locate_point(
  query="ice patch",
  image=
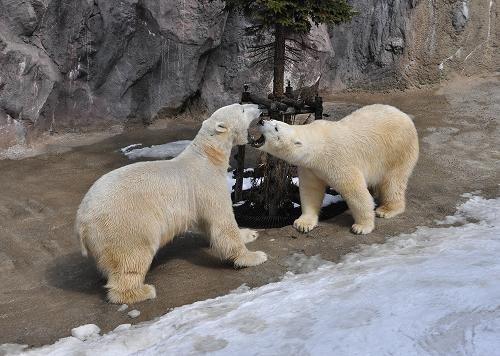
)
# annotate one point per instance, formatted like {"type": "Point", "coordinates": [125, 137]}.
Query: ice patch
{"type": "Point", "coordinates": [451, 220]}
{"type": "Point", "coordinates": [11, 349]}
{"type": "Point", "coordinates": [474, 209]}
{"type": "Point", "coordinates": [167, 150]}
{"type": "Point", "coordinates": [134, 313]}
{"type": "Point", "coordinates": [85, 332]}
{"type": "Point", "coordinates": [122, 307]}
{"type": "Point", "coordinates": [122, 327]}
{"type": "Point", "coordinates": [299, 263]}
{"type": "Point", "coordinates": [434, 291]}
{"type": "Point", "coordinates": [130, 147]}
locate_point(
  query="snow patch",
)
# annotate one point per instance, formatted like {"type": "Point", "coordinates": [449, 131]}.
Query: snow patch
{"type": "Point", "coordinates": [122, 327]}
{"type": "Point", "coordinates": [167, 150]}
{"type": "Point", "coordinates": [122, 307]}
{"type": "Point", "coordinates": [329, 199]}
{"type": "Point", "coordinates": [85, 332]}
{"type": "Point", "coordinates": [134, 313]}
{"type": "Point", "coordinates": [240, 203]}
{"type": "Point", "coordinates": [11, 349]}
{"type": "Point", "coordinates": [299, 263]}
{"type": "Point", "coordinates": [247, 181]}
{"type": "Point", "coordinates": [130, 147]}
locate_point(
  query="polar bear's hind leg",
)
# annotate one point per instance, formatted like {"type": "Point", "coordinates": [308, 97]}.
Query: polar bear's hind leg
{"type": "Point", "coordinates": [137, 294]}
{"type": "Point", "coordinates": [392, 194]}
{"type": "Point", "coordinates": [126, 277]}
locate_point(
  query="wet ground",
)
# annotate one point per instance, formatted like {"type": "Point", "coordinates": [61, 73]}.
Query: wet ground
{"type": "Point", "coordinates": [47, 288]}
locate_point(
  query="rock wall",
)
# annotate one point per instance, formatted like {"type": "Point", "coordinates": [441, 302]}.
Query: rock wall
{"type": "Point", "coordinates": [90, 64]}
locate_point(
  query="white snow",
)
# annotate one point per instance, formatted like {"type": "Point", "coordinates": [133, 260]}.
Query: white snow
{"type": "Point", "coordinates": [130, 147]}
{"type": "Point", "coordinates": [239, 203]}
{"type": "Point", "coordinates": [122, 307]}
{"type": "Point", "coordinates": [247, 182]}
{"type": "Point", "coordinates": [122, 327]}
{"type": "Point", "coordinates": [134, 313]}
{"type": "Point", "coordinates": [12, 349]}
{"type": "Point", "coordinates": [434, 291]}
{"type": "Point", "coordinates": [167, 150]}
{"type": "Point", "coordinates": [85, 332]}
{"type": "Point", "coordinates": [300, 263]}
{"type": "Point", "coordinates": [329, 199]}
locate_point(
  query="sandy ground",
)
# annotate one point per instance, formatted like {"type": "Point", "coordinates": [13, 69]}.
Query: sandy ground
{"type": "Point", "coordinates": [47, 288]}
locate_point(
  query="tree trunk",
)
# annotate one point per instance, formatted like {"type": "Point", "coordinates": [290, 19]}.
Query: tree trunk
{"type": "Point", "coordinates": [276, 172]}
{"type": "Point", "coordinates": [279, 61]}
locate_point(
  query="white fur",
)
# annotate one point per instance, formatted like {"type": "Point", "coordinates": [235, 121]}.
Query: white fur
{"type": "Point", "coordinates": [129, 213]}
{"type": "Point", "coordinates": [374, 147]}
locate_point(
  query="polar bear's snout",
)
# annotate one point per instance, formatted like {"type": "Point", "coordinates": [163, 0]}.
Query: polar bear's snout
{"type": "Point", "coordinates": [266, 130]}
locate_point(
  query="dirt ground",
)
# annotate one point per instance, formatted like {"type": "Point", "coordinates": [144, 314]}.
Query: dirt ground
{"type": "Point", "coordinates": [47, 288]}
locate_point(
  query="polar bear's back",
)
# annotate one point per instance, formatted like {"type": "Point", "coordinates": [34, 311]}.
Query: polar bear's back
{"type": "Point", "coordinates": [143, 178]}
{"type": "Point", "coordinates": [372, 117]}
{"type": "Point", "coordinates": [374, 139]}
{"type": "Point", "coordinates": [382, 134]}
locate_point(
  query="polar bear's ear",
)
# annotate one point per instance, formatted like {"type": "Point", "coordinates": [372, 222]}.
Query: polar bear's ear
{"type": "Point", "coordinates": [220, 127]}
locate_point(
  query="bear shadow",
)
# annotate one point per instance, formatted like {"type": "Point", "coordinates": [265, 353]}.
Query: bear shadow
{"type": "Point", "coordinates": [73, 272]}
{"type": "Point", "coordinates": [191, 247]}
{"type": "Point", "coordinates": [344, 220]}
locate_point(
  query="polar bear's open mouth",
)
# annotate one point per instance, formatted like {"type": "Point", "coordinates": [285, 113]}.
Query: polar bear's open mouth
{"type": "Point", "coordinates": [255, 137]}
{"type": "Point", "coordinates": [259, 142]}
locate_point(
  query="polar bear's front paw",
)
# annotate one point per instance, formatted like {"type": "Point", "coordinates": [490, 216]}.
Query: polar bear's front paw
{"type": "Point", "coordinates": [362, 229]}
{"type": "Point", "coordinates": [248, 235]}
{"type": "Point", "coordinates": [250, 259]}
{"type": "Point", "coordinates": [305, 223]}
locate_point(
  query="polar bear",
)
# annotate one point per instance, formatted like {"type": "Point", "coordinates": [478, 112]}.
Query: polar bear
{"type": "Point", "coordinates": [373, 147]}
{"type": "Point", "coordinates": [129, 213]}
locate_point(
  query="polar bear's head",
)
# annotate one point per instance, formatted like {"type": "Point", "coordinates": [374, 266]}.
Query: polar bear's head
{"type": "Point", "coordinates": [230, 123]}
{"type": "Point", "coordinates": [280, 140]}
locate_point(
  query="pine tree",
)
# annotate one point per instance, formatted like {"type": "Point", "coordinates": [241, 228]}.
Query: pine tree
{"type": "Point", "coordinates": [288, 21]}
{"type": "Point", "coordinates": [285, 19]}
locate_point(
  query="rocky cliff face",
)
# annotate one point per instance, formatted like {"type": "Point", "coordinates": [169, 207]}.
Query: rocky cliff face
{"type": "Point", "coordinates": [88, 64]}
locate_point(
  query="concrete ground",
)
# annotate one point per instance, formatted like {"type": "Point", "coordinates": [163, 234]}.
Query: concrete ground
{"type": "Point", "coordinates": [47, 288]}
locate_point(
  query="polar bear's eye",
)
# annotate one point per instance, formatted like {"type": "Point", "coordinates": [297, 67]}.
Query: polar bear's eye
{"type": "Point", "coordinates": [276, 128]}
